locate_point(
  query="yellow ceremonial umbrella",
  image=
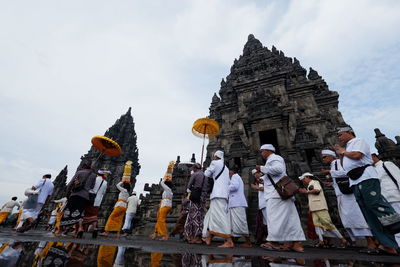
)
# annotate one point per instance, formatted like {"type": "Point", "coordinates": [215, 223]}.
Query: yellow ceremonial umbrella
{"type": "Point", "coordinates": [106, 146]}
{"type": "Point", "coordinates": [205, 128]}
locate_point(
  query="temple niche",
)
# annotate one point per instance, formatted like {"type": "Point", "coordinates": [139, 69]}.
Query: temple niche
{"type": "Point", "coordinates": [270, 98]}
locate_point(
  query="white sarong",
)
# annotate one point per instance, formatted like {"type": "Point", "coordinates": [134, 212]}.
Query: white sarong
{"type": "Point", "coordinates": [352, 218]}
{"type": "Point", "coordinates": [217, 221]}
{"type": "Point", "coordinates": [239, 221]}
{"type": "Point", "coordinates": [283, 221]}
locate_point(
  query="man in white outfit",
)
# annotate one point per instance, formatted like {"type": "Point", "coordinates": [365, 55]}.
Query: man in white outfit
{"type": "Point", "coordinates": [350, 214]}
{"type": "Point", "coordinates": [133, 202]}
{"type": "Point", "coordinates": [217, 220]}
{"type": "Point", "coordinates": [283, 219]}
{"type": "Point", "coordinates": [389, 175]}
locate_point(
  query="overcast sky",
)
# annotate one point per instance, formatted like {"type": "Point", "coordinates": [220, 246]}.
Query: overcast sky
{"type": "Point", "coordinates": [70, 69]}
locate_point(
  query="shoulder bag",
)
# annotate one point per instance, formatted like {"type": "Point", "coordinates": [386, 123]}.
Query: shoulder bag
{"type": "Point", "coordinates": [356, 173]}
{"type": "Point", "coordinates": [92, 196]}
{"type": "Point", "coordinates": [285, 187]}
{"type": "Point", "coordinates": [343, 183]}
{"type": "Point", "coordinates": [32, 200]}
{"type": "Point", "coordinates": [195, 194]}
{"type": "Point", "coordinates": [210, 184]}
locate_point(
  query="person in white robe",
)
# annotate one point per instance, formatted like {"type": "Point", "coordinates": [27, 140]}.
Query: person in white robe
{"type": "Point", "coordinates": [389, 176]}
{"type": "Point", "coordinates": [217, 221]}
{"type": "Point", "coordinates": [237, 207]}
{"type": "Point", "coordinates": [261, 219]}
{"type": "Point", "coordinates": [350, 213]}
{"type": "Point", "coordinates": [283, 219]}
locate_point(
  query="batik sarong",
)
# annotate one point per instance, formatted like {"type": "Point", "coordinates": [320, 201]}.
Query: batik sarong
{"type": "Point", "coordinates": [195, 219]}
{"type": "Point", "coordinates": [73, 212]}
{"type": "Point", "coordinates": [377, 210]}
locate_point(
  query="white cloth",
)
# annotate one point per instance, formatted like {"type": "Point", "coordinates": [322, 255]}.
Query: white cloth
{"type": "Point", "coordinates": [236, 192]}
{"type": "Point", "coordinates": [53, 217]}
{"type": "Point", "coordinates": [128, 221]}
{"type": "Point", "coordinates": [120, 259]}
{"type": "Point", "coordinates": [388, 188]}
{"type": "Point", "coordinates": [46, 189]}
{"type": "Point", "coordinates": [123, 195]}
{"type": "Point", "coordinates": [264, 213]}
{"type": "Point", "coordinates": [283, 221]}
{"type": "Point", "coordinates": [349, 211]}
{"type": "Point", "coordinates": [239, 221]}
{"type": "Point", "coordinates": [132, 204]}
{"type": "Point", "coordinates": [262, 202]}
{"type": "Point", "coordinates": [396, 206]}
{"type": "Point", "coordinates": [167, 195]}
{"type": "Point", "coordinates": [63, 201]}
{"type": "Point", "coordinates": [99, 190]}
{"type": "Point", "coordinates": [217, 219]}
{"type": "Point", "coordinates": [32, 213]}
{"type": "Point", "coordinates": [359, 145]}
{"type": "Point", "coordinates": [9, 206]}
{"type": "Point", "coordinates": [221, 185]}
{"type": "Point", "coordinates": [276, 168]}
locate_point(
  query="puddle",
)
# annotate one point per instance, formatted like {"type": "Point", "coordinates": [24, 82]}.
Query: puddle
{"type": "Point", "coordinates": [57, 254]}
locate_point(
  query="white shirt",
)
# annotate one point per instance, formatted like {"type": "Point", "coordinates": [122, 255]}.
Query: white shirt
{"type": "Point", "coordinates": [337, 173]}
{"type": "Point", "coordinates": [276, 168]}
{"type": "Point", "coordinates": [221, 185]}
{"type": "Point", "coordinates": [359, 145]}
{"type": "Point", "coordinates": [46, 189]}
{"type": "Point", "coordinates": [123, 195]}
{"type": "Point", "coordinates": [133, 202]}
{"type": "Point", "coordinates": [262, 202]}
{"type": "Point", "coordinates": [236, 192]}
{"type": "Point", "coordinates": [99, 190]}
{"type": "Point", "coordinates": [9, 206]}
{"type": "Point", "coordinates": [388, 187]}
{"type": "Point", "coordinates": [167, 195]}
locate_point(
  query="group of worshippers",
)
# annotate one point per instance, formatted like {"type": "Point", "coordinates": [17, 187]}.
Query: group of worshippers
{"type": "Point", "coordinates": [366, 188]}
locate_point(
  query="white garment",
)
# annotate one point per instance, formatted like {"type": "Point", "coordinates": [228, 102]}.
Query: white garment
{"type": "Point", "coordinates": [32, 213]}
{"type": "Point", "coordinates": [221, 185]}
{"type": "Point", "coordinates": [217, 219]}
{"type": "Point", "coordinates": [128, 221]}
{"type": "Point", "coordinates": [132, 204]}
{"type": "Point", "coordinates": [396, 206]}
{"type": "Point", "coordinates": [120, 259]}
{"type": "Point", "coordinates": [9, 206]}
{"type": "Point", "coordinates": [283, 221]}
{"type": "Point", "coordinates": [167, 195]}
{"type": "Point", "coordinates": [350, 213]}
{"type": "Point", "coordinates": [236, 192]}
{"type": "Point", "coordinates": [99, 190]}
{"type": "Point", "coordinates": [359, 145]}
{"type": "Point", "coordinates": [388, 188]}
{"type": "Point", "coordinates": [46, 189]}
{"type": "Point", "coordinates": [53, 217]}
{"type": "Point", "coordinates": [63, 201]}
{"type": "Point", "coordinates": [123, 195]}
{"type": "Point", "coordinates": [276, 168]}
{"type": "Point", "coordinates": [239, 221]}
{"type": "Point", "coordinates": [262, 202]}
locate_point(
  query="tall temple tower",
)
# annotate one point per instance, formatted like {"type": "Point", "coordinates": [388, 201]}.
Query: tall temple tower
{"type": "Point", "coordinates": [269, 98]}
{"type": "Point", "coordinates": [123, 132]}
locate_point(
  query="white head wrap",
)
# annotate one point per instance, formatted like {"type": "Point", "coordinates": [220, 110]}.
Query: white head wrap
{"type": "Point", "coordinates": [253, 171]}
{"type": "Point", "coordinates": [328, 152]}
{"type": "Point", "coordinates": [103, 172]}
{"type": "Point", "coordinates": [345, 129]}
{"type": "Point", "coordinates": [304, 175]}
{"type": "Point", "coordinates": [267, 147]}
{"type": "Point", "coordinates": [219, 154]}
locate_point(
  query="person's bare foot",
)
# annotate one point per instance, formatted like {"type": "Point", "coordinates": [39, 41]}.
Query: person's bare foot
{"type": "Point", "coordinates": [165, 238]}
{"type": "Point", "coordinates": [197, 240]}
{"type": "Point", "coordinates": [153, 236]}
{"type": "Point", "coordinates": [227, 244]}
{"type": "Point", "coordinates": [104, 233]}
{"type": "Point", "coordinates": [207, 240]}
{"type": "Point", "coordinates": [296, 246]}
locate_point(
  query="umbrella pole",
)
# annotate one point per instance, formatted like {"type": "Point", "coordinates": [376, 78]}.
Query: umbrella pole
{"type": "Point", "coordinates": [101, 154]}
{"type": "Point", "coordinates": [202, 149]}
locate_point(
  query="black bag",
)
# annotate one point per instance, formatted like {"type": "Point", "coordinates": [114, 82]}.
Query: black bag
{"type": "Point", "coordinates": [393, 228]}
{"type": "Point", "coordinates": [343, 183]}
{"type": "Point", "coordinates": [285, 187]}
{"type": "Point", "coordinates": [195, 193]}
{"type": "Point", "coordinates": [210, 184]}
{"type": "Point", "coordinates": [356, 173]}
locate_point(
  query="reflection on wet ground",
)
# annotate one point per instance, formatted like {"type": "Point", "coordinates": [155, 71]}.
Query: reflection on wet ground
{"type": "Point", "coordinates": [53, 253]}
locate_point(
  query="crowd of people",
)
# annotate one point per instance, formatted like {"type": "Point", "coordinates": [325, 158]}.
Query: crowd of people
{"type": "Point", "coordinates": [366, 188]}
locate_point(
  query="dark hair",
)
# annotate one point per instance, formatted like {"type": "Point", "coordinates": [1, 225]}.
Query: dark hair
{"type": "Point", "coordinates": [235, 169]}
{"type": "Point", "coordinates": [376, 155]}
{"type": "Point", "coordinates": [14, 198]}
{"type": "Point", "coordinates": [47, 176]}
{"type": "Point", "coordinates": [169, 184]}
{"type": "Point", "coordinates": [127, 186]}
